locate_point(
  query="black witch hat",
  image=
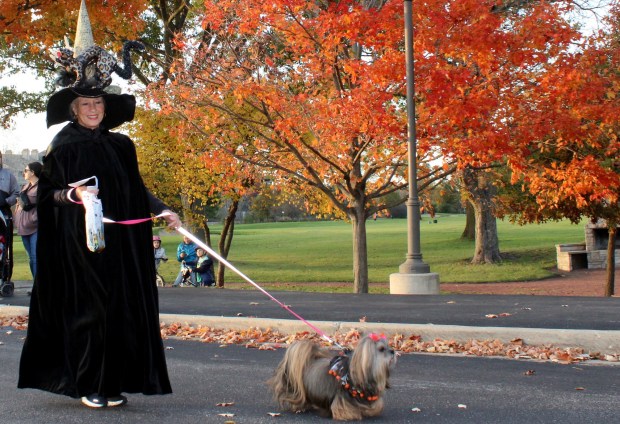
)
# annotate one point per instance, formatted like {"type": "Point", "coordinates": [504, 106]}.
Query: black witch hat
{"type": "Point", "coordinates": [119, 108]}
{"type": "Point", "coordinates": [88, 81]}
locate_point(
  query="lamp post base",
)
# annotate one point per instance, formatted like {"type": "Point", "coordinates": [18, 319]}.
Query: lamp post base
{"type": "Point", "coordinates": [427, 283]}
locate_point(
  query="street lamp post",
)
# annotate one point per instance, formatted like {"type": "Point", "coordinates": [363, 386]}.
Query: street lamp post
{"type": "Point", "coordinates": [414, 276]}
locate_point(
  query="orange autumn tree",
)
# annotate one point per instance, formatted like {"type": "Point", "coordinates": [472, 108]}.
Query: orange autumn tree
{"type": "Point", "coordinates": [313, 92]}
{"type": "Point", "coordinates": [570, 167]}
{"type": "Point", "coordinates": [316, 90]}
{"type": "Point", "coordinates": [309, 92]}
{"type": "Point", "coordinates": [474, 62]}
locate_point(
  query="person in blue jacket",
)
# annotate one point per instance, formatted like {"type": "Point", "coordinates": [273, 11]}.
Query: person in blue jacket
{"type": "Point", "coordinates": [186, 255]}
{"type": "Point", "coordinates": [204, 269]}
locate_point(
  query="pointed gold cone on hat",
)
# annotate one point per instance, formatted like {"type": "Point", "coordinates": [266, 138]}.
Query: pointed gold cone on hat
{"type": "Point", "coordinates": [83, 33]}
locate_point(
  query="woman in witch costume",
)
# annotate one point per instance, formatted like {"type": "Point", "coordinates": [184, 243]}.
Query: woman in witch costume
{"type": "Point", "coordinates": [93, 331]}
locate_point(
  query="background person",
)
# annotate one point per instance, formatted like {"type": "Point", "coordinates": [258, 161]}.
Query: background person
{"type": "Point", "coordinates": [9, 189]}
{"type": "Point", "coordinates": [160, 255]}
{"type": "Point", "coordinates": [26, 221]}
{"type": "Point", "coordinates": [205, 276]}
{"type": "Point", "coordinates": [186, 255]}
{"type": "Point", "coordinates": [158, 251]}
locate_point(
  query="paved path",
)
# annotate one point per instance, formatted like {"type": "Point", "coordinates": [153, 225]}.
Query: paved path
{"type": "Point", "coordinates": [589, 322]}
{"type": "Point", "coordinates": [445, 388]}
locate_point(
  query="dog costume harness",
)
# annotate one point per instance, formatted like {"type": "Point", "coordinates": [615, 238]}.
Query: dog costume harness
{"type": "Point", "coordinates": [339, 368]}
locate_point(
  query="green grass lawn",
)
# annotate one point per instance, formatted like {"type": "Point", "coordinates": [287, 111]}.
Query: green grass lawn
{"type": "Point", "coordinates": [322, 251]}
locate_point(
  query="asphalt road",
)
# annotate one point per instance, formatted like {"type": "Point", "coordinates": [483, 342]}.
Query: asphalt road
{"type": "Point", "coordinates": [551, 312]}
{"type": "Point", "coordinates": [489, 390]}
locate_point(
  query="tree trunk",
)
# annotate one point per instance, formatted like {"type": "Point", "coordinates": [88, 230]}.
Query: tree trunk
{"type": "Point", "coordinates": [228, 230]}
{"type": "Point", "coordinates": [469, 232]}
{"type": "Point", "coordinates": [487, 242]}
{"type": "Point", "coordinates": [481, 194]}
{"type": "Point", "coordinates": [611, 260]}
{"type": "Point", "coordinates": [360, 252]}
{"type": "Point", "coordinates": [207, 231]}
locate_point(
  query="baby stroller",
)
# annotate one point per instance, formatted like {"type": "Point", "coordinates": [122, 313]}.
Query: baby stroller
{"type": "Point", "coordinates": [6, 255]}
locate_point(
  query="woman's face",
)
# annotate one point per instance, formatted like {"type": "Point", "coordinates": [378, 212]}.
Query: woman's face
{"type": "Point", "coordinates": [28, 174]}
{"type": "Point", "coordinates": [89, 111]}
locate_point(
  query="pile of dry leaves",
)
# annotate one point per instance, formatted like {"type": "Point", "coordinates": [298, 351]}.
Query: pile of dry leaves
{"type": "Point", "coordinates": [270, 340]}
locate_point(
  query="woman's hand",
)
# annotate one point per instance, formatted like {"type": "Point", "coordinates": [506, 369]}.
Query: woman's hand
{"type": "Point", "coordinates": [172, 219]}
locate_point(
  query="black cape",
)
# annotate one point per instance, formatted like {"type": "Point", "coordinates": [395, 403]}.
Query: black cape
{"type": "Point", "coordinates": [94, 317]}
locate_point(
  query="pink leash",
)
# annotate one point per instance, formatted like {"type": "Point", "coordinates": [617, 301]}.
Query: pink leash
{"type": "Point", "coordinates": [213, 253]}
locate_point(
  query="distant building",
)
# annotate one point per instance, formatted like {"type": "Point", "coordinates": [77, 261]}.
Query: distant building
{"type": "Point", "coordinates": [17, 162]}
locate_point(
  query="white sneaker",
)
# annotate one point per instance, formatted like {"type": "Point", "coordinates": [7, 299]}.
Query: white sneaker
{"type": "Point", "coordinates": [117, 400]}
{"type": "Point", "coordinates": [94, 401]}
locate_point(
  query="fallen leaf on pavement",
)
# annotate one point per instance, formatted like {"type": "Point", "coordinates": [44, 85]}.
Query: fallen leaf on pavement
{"type": "Point", "coordinates": [461, 406]}
{"type": "Point", "coordinates": [17, 322]}
{"type": "Point", "coordinates": [274, 414]}
{"type": "Point", "coordinates": [491, 316]}
{"type": "Point", "coordinates": [226, 415]}
{"type": "Point", "coordinates": [254, 303]}
{"type": "Point", "coordinates": [225, 404]}
{"type": "Point", "coordinates": [579, 388]}
{"type": "Point", "coordinates": [268, 347]}
{"type": "Point", "coordinates": [416, 410]}
{"type": "Point", "coordinates": [529, 372]}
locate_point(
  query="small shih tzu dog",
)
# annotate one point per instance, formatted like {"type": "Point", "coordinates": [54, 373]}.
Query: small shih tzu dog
{"type": "Point", "coordinates": [347, 387]}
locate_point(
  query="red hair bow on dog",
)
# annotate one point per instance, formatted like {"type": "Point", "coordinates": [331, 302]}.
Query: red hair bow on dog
{"type": "Point", "coordinates": [376, 337]}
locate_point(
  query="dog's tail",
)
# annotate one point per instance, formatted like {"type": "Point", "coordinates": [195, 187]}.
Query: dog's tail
{"type": "Point", "coordinates": [288, 382]}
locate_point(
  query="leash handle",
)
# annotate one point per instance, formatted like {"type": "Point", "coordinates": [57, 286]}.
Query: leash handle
{"type": "Point", "coordinates": [212, 252]}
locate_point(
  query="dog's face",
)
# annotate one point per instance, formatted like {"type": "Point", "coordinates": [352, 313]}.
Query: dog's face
{"type": "Point", "coordinates": [372, 360]}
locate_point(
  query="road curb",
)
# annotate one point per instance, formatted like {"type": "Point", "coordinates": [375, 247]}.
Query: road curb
{"type": "Point", "coordinates": [601, 341]}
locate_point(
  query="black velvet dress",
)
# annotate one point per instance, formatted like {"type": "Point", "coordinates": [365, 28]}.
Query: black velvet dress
{"type": "Point", "coordinates": [94, 317]}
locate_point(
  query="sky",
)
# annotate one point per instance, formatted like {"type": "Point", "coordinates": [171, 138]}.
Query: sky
{"type": "Point", "coordinates": [28, 132]}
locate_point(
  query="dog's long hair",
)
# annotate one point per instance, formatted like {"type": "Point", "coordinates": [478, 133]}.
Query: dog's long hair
{"type": "Point", "coordinates": [345, 387]}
